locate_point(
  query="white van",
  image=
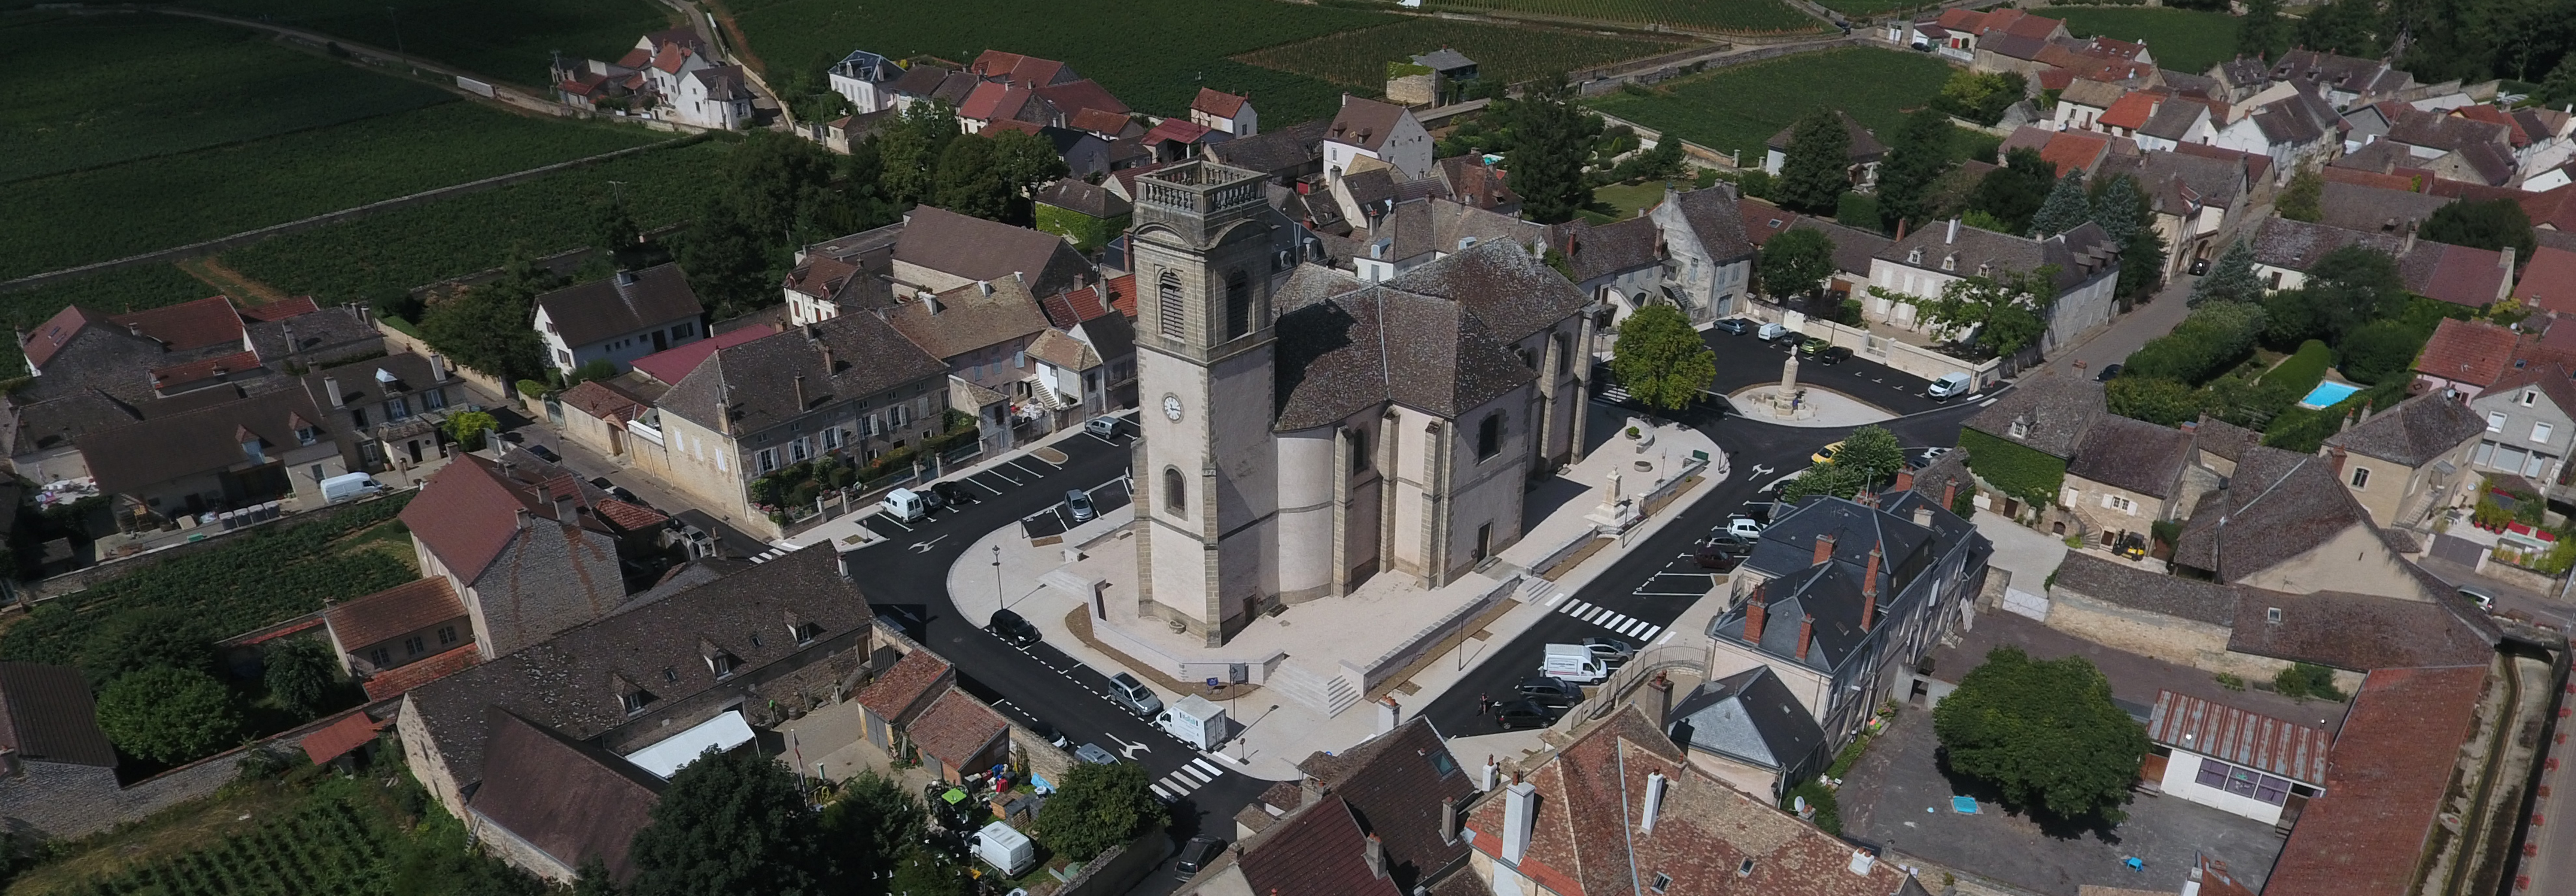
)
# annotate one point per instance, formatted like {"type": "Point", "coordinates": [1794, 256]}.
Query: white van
{"type": "Point", "coordinates": [1004, 848]}
{"type": "Point", "coordinates": [1949, 386]}
{"type": "Point", "coordinates": [349, 486]}
{"type": "Point", "coordinates": [1574, 662]}
{"type": "Point", "coordinates": [905, 505]}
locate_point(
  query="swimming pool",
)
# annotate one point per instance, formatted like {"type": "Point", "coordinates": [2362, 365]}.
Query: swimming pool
{"type": "Point", "coordinates": [2327, 393]}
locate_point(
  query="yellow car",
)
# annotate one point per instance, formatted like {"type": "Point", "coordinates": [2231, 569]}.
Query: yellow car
{"type": "Point", "coordinates": [1826, 454]}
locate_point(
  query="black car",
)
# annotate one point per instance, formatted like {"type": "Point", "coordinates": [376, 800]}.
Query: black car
{"type": "Point", "coordinates": [1720, 557]}
{"type": "Point", "coordinates": [1197, 853]}
{"type": "Point", "coordinates": [1523, 714]}
{"type": "Point", "coordinates": [951, 493]}
{"type": "Point", "coordinates": [1734, 326]}
{"type": "Point", "coordinates": [1547, 691]}
{"type": "Point", "coordinates": [2108, 371]}
{"type": "Point", "coordinates": [545, 453]}
{"type": "Point", "coordinates": [1834, 355]}
{"type": "Point", "coordinates": [1012, 629]}
{"type": "Point", "coordinates": [1047, 732]}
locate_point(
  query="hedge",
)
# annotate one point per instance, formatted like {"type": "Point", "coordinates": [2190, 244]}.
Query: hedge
{"type": "Point", "coordinates": [2214, 338]}
{"type": "Point", "coordinates": [2304, 370]}
{"type": "Point", "coordinates": [2019, 470]}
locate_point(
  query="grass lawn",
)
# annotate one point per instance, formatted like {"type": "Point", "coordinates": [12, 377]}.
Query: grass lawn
{"type": "Point", "coordinates": [1709, 15]}
{"type": "Point", "coordinates": [511, 40]}
{"type": "Point", "coordinates": [2180, 39]}
{"type": "Point", "coordinates": [1359, 58]}
{"type": "Point", "coordinates": [1153, 54]}
{"type": "Point", "coordinates": [1629, 199]}
{"type": "Point", "coordinates": [1741, 107]}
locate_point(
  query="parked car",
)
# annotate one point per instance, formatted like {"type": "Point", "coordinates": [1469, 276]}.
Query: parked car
{"type": "Point", "coordinates": [1734, 326]}
{"type": "Point", "coordinates": [1718, 556]}
{"type": "Point", "coordinates": [1924, 457]}
{"type": "Point", "coordinates": [1773, 332]}
{"type": "Point", "coordinates": [932, 500]}
{"type": "Point", "coordinates": [1611, 650]}
{"type": "Point", "coordinates": [1834, 355]}
{"type": "Point", "coordinates": [1197, 853]}
{"type": "Point", "coordinates": [1104, 427]}
{"type": "Point", "coordinates": [1077, 504]}
{"type": "Point", "coordinates": [1812, 346]}
{"type": "Point", "coordinates": [2108, 371]}
{"type": "Point", "coordinates": [1126, 691]}
{"type": "Point", "coordinates": [1048, 733]}
{"type": "Point", "coordinates": [2478, 594]}
{"type": "Point", "coordinates": [1550, 691]}
{"type": "Point", "coordinates": [1743, 527]}
{"type": "Point", "coordinates": [1825, 455]}
{"type": "Point", "coordinates": [1012, 629]}
{"type": "Point", "coordinates": [1523, 714]}
{"type": "Point", "coordinates": [1092, 753]}
{"type": "Point", "coordinates": [952, 493]}
{"type": "Point", "coordinates": [1949, 386]}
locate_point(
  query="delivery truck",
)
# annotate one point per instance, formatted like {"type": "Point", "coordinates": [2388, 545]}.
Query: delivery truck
{"type": "Point", "coordinates": [345, 487]}
{"type": "Point", "coordinates": [1195, 721]}
{"type": "Point", "coordinates": [1005, 848]}
{"type": "Point", "coordinates": [1574, 662]}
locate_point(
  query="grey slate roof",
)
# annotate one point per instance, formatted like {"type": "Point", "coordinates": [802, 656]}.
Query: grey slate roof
{"type": "Point", "coordinates": [2440, 130]}
{"type": "Point", "coordinates": [1717, 221]}
{"type": "Point", "coordinates": [46, 716]}
{"type": "Point", "coordinates": [1365, 122]}
{"type": "Point", "coordinates": [2223, 439]}
{"type": "Point", "coordinates": [1853, 247]}
{"type": "Point", "coordinates": [2376, 209]}
{"type": "Point", "coordinates": [1508, 290]}
{"type": "Point", "coordinates": [1082, 198]}
{"type": "Point", "coordinates": [2280, 504]}
{"type": "Point", "coordinates": [1605, 250]}
{"type": "Point", "coordinates": [2347, 73]}
{"type": "Point", "coordinates": [2299, 245]}
{"type": "Point", "coordinates": [1751, 717]}
{"type": "Point", "coordinates": [2132, 454]}
{"type": "Point", "coordinates": [1277, 153]}
{"type": "Point", "coordinates": [2055, 409]}
{"type": "Point", "coordinates": [128, 459]}
{"type": "Point", "coordinates": [2362, 632]}
{"type": "Point", "coordinates": [868, 357]}
{"type": "Point", "coordinates": [2126, 585]}
{"type": "Point", "coordinates": [2079, 254]}
{"type": "Point", "coordinates": [2413, 433]}
{"type": "Point", "coordinates": [573, 800]}
{"type": "Point", "coordinates": [603, 309]}
{"type": "Point", "coordinates": [2179, 183]}
{"type": "Point", "coordinates": [1444, 60]}
{"type": "Point", "coordinates": [1438, 338]}
{"type": "Point", "coordinates": [1831, 592]}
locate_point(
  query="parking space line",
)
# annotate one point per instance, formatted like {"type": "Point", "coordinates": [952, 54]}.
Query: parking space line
{"type": "Point", "coordinates": [1024, 471]}
{"type": "Point", "coordinates": [1005, 477]}
{"type": "Point", "coordinates": [980, 484]}
{"type": "Point", "coordinates": [890, 520]}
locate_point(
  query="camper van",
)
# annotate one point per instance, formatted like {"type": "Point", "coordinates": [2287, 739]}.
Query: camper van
{"type": "Point", "coordinates": [1575, 663]}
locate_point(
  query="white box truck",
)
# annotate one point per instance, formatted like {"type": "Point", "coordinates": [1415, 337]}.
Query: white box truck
{"type": "Point", "coordinates": [1575, 663]}
{"type": "Point", "coordinates": [345, 487]}
{"type": "Point", "coordinates": [1196, 721]}
{"type": "Point", "coordinates": [1005, 848]}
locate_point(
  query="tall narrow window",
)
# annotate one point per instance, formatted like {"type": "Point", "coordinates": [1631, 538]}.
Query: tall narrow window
{"type": "Point", "coordinates": [1238, 305]}
{"type": "Point", "coordinates": [1489, 436]}
{"type": "Point", "coordinates": [1175, 499]}
{"type": "Point", "coordinates": [1172, 312]}
{"type": "Point", "coordinates": [1359, 450]}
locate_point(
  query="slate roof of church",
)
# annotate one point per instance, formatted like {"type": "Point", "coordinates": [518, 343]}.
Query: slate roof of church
{"type": "Point", "coordinates": [1438, 338]}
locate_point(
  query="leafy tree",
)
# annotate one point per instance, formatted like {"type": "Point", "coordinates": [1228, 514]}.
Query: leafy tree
{"type": "Point", "coordinates": [468, 427]}
{"type": "Point", "coordinates": [2005, 311]}
{"type": "Point", "coordinates": [2344, 27]}
{"type": "Point", "coordinates": [2303, 680]}
{"type": "Point", "coordinates": [2231, 279]}
{"type": "Point", "coordinates": [491, 327]}
{"type": "Point", "coordinates": [301, 676]}
{"type": "Point", "coordinates": [2492, 224]}
{"type": "Point", "coordinates": [2209, 341]}
{"type": "Point", "coordinates": [731, 823]}
{"type": "Point", "coordinates": [1981, 97]}
{"type": "Point", "coordinates": [1817, 168]}
{"type": "Point", "coordinates": [1873, 453]}
{"type": "Point", "coordinates": [1661, 360]}
{"type": "Point", "coordinates": [970, 180]}
{"type": "Point", "coordinates": [2262, 33]}
{"type": "Point", "coordinates": [910, 150]}
{"type": "Point", "coordinates": [593, 879]}
{"type": "Point", "coordinates": [1857, 210]}
{"type": "Point", "coordinates": [149, 639]}
{"type": "Point", "coordinates": [2353, 286]}
{"type": "Point", "coordinates": [2014, 192]}
{"type": "Point", "coordinates": [1982, 220]}
{"type": "Point", "coordinates": [2304, 199]}
{"type": "Point", "coordinates": [1025, 162]}
{"type": "Point", "coordinates": [2045, 732]}
{"type": "Point", "coordinates": [2156, 400]}
{"type": "Point", "coordinates": [726, 257]}
{"type": "Point", "coordinates": [1552, 137]}
{"type": "Point", "coordinates": [1757, 183]}
{"type": "Point", "coordinates": [872, 825]}
{"type": "Point", "coordinates": [1097, 807]}
{"type": "Point", "coordinates": [1795, 263]}
{"type": "Point", "coordinates": [168, 715]}
{"type": "Point", "coordinates": [2379, 350]}
{"type": "Point", "coordinates": [921, 872]}
{"type": "Point", "coordinates": [617, 235]}
{"type": "Point", "coordinates": [1833, 480]}
{"type": "Point", "coordinates": [2066, 208]}
{"type": "Point", "coordinates": [2559, 89]}
{"type": "Point", "coordinates": [1919, 155]}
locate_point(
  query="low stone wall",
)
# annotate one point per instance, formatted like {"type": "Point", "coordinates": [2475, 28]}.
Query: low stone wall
{"type": "Point", "coordinates": [1403, 656]}
{"type": "Point", "coordinates": [2184, 642]}
{"type": "Point", "coordinates": [1043, 759]}
{"type": "Point", "coordinates": [59, 801]}
{"type": "Point", "coordinates": [1121, 868]}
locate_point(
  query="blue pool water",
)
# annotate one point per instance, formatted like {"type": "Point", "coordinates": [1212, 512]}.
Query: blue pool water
{"type": "Point", "coordinates": [2326, 394]}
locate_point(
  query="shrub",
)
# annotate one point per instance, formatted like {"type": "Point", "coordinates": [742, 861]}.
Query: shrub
{"type": "Point", "coordinates": [2212, 339]}
{"type": "Point", "coordinates": [2231, 682]}
{"type": "Point", "coordinates": [168, 715]}
{"type": "Point", "coordinates": [2303, 680]}
{"type": "Point", "coordinates": [1828, 815]}
{"type": "Point", "coordinates": [2019, 470]}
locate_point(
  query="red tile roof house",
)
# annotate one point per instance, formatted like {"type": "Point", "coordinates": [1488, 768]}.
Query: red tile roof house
{"type": "Point", "coordinates": [529, 749]}
{"type": "Point", "coordinates": [1218, 110]}
{"type": "Point", "coordinates": [901, 693]}
{"type": "Point", "coordinates": [960, 736]}
{"type": "Point", "coordinates": [2464, 356]}
{"type": "Point", "coordinates": [2387, 783]}
{"type": "Point", "coordinates": [1621, 807]}
{"type": "Point", "coordinates": [521, 546]}
{"type": "Point", "coordinates": [2549, 282]}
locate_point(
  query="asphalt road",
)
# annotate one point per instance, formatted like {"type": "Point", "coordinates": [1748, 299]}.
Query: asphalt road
{"type": "Point", "coordinates": [1744, 361]}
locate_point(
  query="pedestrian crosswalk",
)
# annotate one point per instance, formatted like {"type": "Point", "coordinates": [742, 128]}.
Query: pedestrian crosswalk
{"type": "Point", "coordinates": [1188, 780]}
{"type": "Point", "coordinates": [1614, 394]}
{"type": "Point", "coordinates": [1626, 626]}
{"type": "Point", "coordinates": [772, 554]}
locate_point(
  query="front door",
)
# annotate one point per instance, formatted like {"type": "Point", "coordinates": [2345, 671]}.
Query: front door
{"type": "Point", "coordinates": [661, 340]}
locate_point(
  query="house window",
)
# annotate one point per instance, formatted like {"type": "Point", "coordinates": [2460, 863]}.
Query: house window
{"type": "Point", "coordinates": [308, 435]}
{"type": "Point", "coordinates": [1663, 880]}
{"type": "Point", "coordinates": [682, 331]}
{"type": "Point", "coordinates": [1171, 311]}
{"type": "Point", "coordinates": [562, 358]}
{"type": "Point", "coordinates": [2276, 279]}
{"type": "Point", "coordinates": [1175, 497]}
{"type": "Point", "coordinates": [2360, 478]}
{"type": "Point", "coordinates": [2527, 395]}
{"type": "Point", "coordinates": [796, 450]}
{"type": "Point", "coordinates": [633, 701]}
{"type": "Point", "coordinates": [1020, 359]}
{"type": "Point", "coordinates": [2120, 504]}
{"type": "Point", "coordinates": [768, 459]}
{"type": "Point", "coordinates": [2534, 465]}
{"type": "Point", "coordinates": [380, 658]}
{"type": "Point", "coordinates": [831, 438]}
{"type": "Point", "coordinates": [433, 399]}
{"type": "Point", "coordinates": [397, 409]}
{"type": "Point", "coordinates": [358, 416]}
{"type": "Point", "coordinates": [1489, 436]}
{"type": "Point", "coordinates": [2495, 421]}
{"type": "Point", "coordinates": [1359, 450]}
{"type": "Point", "coordinates": [2244, 782]}
{"type": "Point", "coordinates": [446, 635]}
{"type": "Point", "coordinates": [414, 645]}
{"type": "Point", "coordinates": [722, 664]}
{"type": "Point", "coordinates": [2540, 432]}
{"type": "Point", "coordinates": [804, 632]}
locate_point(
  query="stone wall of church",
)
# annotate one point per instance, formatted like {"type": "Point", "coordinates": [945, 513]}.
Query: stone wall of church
{"type": "Point", "coordinates": [1487, 491]}
{"type": "Point", "coordinates": [1306, 471]}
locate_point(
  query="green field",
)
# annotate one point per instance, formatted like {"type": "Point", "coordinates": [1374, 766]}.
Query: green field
{"type": "Point", "coordinates": [1739, 108]}
{"type": "Point", "coordinates": [510, 40]}
{"type": "Point", "coordinates": [1154, 54]}
{"type": "Point", "coordinates": [1512, 54]}
{"type": "Point", "coordinates": [2180, 39]}
{"type": "Point", "coordinates": [1705, 15]}
{"type": "Point", "coordinates": [80, 101]}
{"type": "Point", "coordinates": [1864, 9]}
{"type": "Point", "coordinates": [364, 259]}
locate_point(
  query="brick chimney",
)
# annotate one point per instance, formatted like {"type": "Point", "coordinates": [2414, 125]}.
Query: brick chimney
{"type": "Point", "coordinates": [1754, 612]}
{"type": "Point", "coordinates": [1659, 700]}
{"type": "Point", "coordinates": [1904, 481]}
{"type": "Point", "coordinates": [1824, 550]}
{"type": "Point", "coordinates": [1375, 853]}
{"type": "Point", "coordinates": [1950, 494]}
{"type": "Point", "coordinates": [1806, 634]}
{"type": "Point", "coordinates": [1869, 592]}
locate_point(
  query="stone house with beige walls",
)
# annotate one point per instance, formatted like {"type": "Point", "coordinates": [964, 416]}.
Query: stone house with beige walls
{"type": "Point", "coordinates": [2529, 427]}
{"type": "Point", "coordinates": [2125, 477]}
{"type": "Point", "coordinates": [2411, 461]}
{"type": "Point", "coordinates": [2286, 522]}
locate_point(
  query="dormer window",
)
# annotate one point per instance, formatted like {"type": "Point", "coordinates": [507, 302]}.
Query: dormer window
{"type": "Point", "coordinates": [632, 701]}
{"type": "Point", "coordinates": [631, 697]}
{"type": "Point", "coordinates": [1950, 262]}
{"type": "Point", "coordinates": [1914, 256]}
{"type": "Point", "coordinates": [308, 435]}
{"type": "Point", "coordinates": [801, 630]}
{"type": "Point", "coordinates": [1984, 269]}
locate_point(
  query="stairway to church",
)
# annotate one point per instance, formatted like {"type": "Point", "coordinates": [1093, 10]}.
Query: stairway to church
{"type": "Point", "coordinates": [1329, 694]}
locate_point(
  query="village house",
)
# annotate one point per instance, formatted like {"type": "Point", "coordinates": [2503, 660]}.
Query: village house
{"type": "Point", "coordinates": [1366, 128]}
{"type": "Point", "coordinates": [2246, 763]}
{"type": "Point", "coordinates": [1748, 730]}
{"type": "Point", "coordinates": [2195, 193]}
{"type": "Point", "coordinates": [620, 319]}
{"type": "Point", "coordinates": [1221, 111]}
{"type": "Point", "coordinates": [982, 332]}
{"type": "Point", "coordinates": [526, 548]}
{"type": "Point", "coordinates": [867, 80]}
{"type": "Point", "coordinates": [2126, 475]}
{"type": "Point", "coordinates": [231, 455]}
{"type": "Point", "coordinates": [1380, 817]}
{"type": "Point", "coordinates": [2530, 416]}
{"type": "Point", "coordinates": [1860, 160]}
{"type": "Point", "coordinates": [2464, 357]}
{"type": "Point", "coordinates": [391, 407]}
{"type": "Point", "coordinates": [2085, 262]}
{"type": "Point", "coordinates": [2290, 124]}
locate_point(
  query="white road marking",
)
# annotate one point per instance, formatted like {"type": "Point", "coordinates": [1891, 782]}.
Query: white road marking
{"type": "Point", "coordinates": [1554, 599]}
{"type": "Point", "coordinates": [1159, 791]}
{"type": "Point", "coordinates": [1576, 608]}
{"type": "Point", "coordinates": [1668, 594]}
{"type": "Point", "coordinates": [1005, 477]}
{"type": "Point", "coordinates": [889, 520]}
{"type": "Point", "coordinates": [1659, 642]}
{"type": "Point", "coordinates": [983, 486]}
{"type": "Point", "coordinates": [1632, 628]}
{"type": "Point", "coordinates": [1650, 632]}
{"type": "Point", "coordinates": [1597, 613]}
{"type": "Point", "coordinates": [1024, 471]}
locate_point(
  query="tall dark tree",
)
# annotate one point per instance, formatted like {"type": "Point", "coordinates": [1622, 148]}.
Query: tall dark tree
{"type": "Point", "coordinates": [2492, 224]}
{"type": "Point", "coordinates": [970, 180]}
{"type": "Point", "coordinates": [2123, 211]}
{"type": "Point", "coordinates": [2067, 207]}
{"type": "Point", "coordinates": [2045, 732]}
{"type": "Point", "coordinates": [2014, 192]}
{"type": "Point", "coordinates": [2345, 27]}
{"type": "Point", "coordinates": [1096, 807]}
{"type": "Point", "coordinates": [491, 327]}
{"type": "Point", "coordinates": [2262, 33]}
{"type": "Point", "coordinates": [727, 258]}
{"type": "Point", "coordinates": [1025, 162]}
{"type": "Point", "coordinates": [1817, 168]}
{"type": "Point", "coordinates": [910, 149]}
{"type": "Point", "coordinates": [2231, 278]}
{"type": "Point", "coordinates": [1551, 139]}
{"type": "Point", "coordinates": [872, 825]}
{"type": "Point", "coordinates": [301, 675]}
{"type": "Point", "coordinates": [2118, 206]}
{"type": "Point", "coordinates": [1920, 154]}
{"type": "Point", "coordinates": [731, 823]}
{"type": "Point", "coordinates": [1795, 263]}
{"type": "Point", "coordinates": [2353, 286]}
{"type": "Point", "coordinates": [168, 715]}
{"type": "Point", "coordinates": [2559, 89]}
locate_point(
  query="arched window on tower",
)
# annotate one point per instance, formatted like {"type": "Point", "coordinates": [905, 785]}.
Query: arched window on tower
{"type": "Point", "coordinates": [1489, 436]}
{"type": "Point", "coordinates": [1172, 313]}
{"type": "Point", "coordinates": [1238, 305]}
{"type": "Point", "coordinates": [1175, 495]}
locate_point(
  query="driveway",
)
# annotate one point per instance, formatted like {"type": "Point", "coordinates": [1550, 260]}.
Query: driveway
{"type": "Point", "coordinates": [2130, 331]}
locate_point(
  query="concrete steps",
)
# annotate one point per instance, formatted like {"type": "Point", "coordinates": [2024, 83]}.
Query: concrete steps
{"type": "Point", "coordinates": [1329, 694]}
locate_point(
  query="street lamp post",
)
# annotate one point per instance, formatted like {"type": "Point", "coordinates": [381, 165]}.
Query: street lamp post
{"type": "Point", "coordinates": [997, 578]}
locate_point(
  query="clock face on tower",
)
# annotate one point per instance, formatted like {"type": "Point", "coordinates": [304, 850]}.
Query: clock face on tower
{"type": "Point", "coordinates": [1172, 406]}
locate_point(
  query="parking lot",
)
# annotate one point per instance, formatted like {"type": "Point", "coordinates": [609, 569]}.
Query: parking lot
{"type": "Point", "coordinates": [997, 479]}
{"type": "Point", "coordinates": [1747, 360]}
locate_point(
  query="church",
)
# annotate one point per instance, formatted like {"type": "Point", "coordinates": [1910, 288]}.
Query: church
{"type": "Point", "coordinates": [1303, 430]}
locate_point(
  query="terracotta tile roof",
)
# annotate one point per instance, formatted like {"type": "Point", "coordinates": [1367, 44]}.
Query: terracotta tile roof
{"type": "Point", "coordinates": [2131, 110]}
{"type": "Point", "coordinates": [1176, 131]}
{"type": "Point", "coordinates": [1084, 95]}
{"type": "Point", "coordinates": [188, 325]}
{"type": "Point", "coordinates": [956, 729]}
{"type": "Point", "coordinates": [2074, 151]}
{"type": "Point", "coordinates": [2384, 786]}
{"type": "Point", "coordinates": [2549, 280]}
{"type": "Point", "coordinates": [393, 683]}
{"type": "Point", "coordinates": [1219, 103]}
{"type": "Point", "coordinates": [630, 517]}
{"type": "Point", "coordinates": [2467, 351]}
{"type": "Point", "coordinates": [2460, 275]}
{"type": "Point", "coordinates": [1122, 295]}
{"type": "Point", "coordinates": [280, 309]}
{"type": "Point", "coordinates": [338, 738]}
{"type": "Point", "coordinates": [204, 368]}
{"type": "Point", "coordinates": [1319, 851]}
{"type": "Point", "coordinates": [671, 365]}
{"type": "Point", "coordinates": [1072, 307]}
{"type": "Point", "coordinates": [604, 401]}
{"type": "Point", "coordinates": [1017, 68]}
{"type": "Point", "coordinates": [2492, 115]}
{"type": "Point", "coordinates": [41, 343]}
{"type": "Point", "coordinates": [1365, 123]}
{"type": "Point", "coordinates": [1101, 121]}
{"type": "Point", "coordinates": [467, 512]}
{"type": "Point", "coordinates": [1013, 124]}
{"type": "Point", "coordinates": [1394, 783]}
{"type": "Point", "coordinates": [46, 714]}
{"type": "Point", "coordinates": [994, 100]}
{"type": "Point", "coordinates": [393, 612]}
{"type": "Point", "coordinates": [897, 694]}
{"type": "Point", "coordinates": [2255, 741]}
{"type": "Point", "coordinates": [2555, 208]}
{"type": "Point", "coordinates": [1762, 220]}
{"type": "Point", "coordinates": [572, 800]}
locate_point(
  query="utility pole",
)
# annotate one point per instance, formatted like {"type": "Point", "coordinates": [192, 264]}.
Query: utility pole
{"type": "Point", "coordinates": [398, 41]}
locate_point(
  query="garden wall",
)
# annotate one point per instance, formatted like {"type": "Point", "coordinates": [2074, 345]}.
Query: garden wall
{"type": "Point", "coordinates": [1120, 868]}
{"type": "Point", "coordinates": [60, 801]}
{"type": "Point", "coordinates": [84, 577]}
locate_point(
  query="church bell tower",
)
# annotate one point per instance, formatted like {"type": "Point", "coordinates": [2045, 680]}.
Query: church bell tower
{"type": "Point", "coordinates": [1206, 248]}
